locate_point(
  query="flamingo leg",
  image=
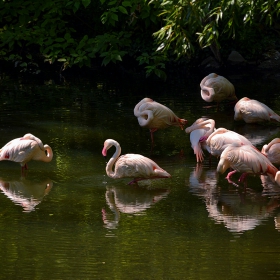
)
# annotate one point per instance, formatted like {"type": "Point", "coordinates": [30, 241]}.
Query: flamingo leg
{"type": "Point", "coordinates": [242, 177]}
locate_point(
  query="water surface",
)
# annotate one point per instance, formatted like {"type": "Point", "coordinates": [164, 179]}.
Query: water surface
{"type": "Point", "coordinates": [67, 220]}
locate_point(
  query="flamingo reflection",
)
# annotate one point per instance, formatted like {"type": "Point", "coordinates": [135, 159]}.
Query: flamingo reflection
{"type": "Point", "coordinates": [238, 212]}
{"type": "Point", "coordinates": [26, 193]}
{"type": "Point", "coordinates": [129, 200]}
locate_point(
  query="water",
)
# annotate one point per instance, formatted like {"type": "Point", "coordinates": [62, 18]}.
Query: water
{"type": "Point", "coordinates": [67, 220]}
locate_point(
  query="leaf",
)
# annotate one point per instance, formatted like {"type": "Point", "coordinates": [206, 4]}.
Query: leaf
{"type": "Point", "coordinates": [123, 10]}
{"type": "Point", "coordinates": [86, 2]}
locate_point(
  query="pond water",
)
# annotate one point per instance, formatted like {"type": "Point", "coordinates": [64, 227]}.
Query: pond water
{"type": "Point", "coordinates": [67, 220]}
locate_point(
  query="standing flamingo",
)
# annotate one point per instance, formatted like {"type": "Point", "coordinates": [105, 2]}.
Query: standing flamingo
{"type": "Point", "coordinates": [199, 132]}
{"type": "Point", "coordinates": [222, 138]}
{"type": "Point", "coordinates": [131, 165]}
{"type": "Point", "coordinates": [25, 149]}
{"type": "Point", "coordinates": [215, 88]}
{"type": "Point", "coordinates": [246, 159]}
{"type": "Point", "coordinates": [253, 111]}
{"type": "Point", "coordinates": [154, 116]}
{"type": "Point", "coordinates": [272, 151]}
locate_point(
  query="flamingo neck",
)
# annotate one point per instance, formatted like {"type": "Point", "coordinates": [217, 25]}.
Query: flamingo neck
{"type": "Point", "coordinates": [49, 155]}
{"type": "Point", "coordinates": [111, 162]}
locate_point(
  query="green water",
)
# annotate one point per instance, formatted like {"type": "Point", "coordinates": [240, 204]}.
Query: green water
{"type": "Point", "coordinates": [67, 220]}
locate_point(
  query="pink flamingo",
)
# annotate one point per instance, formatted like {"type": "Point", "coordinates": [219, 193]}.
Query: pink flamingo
{"type": "Point", "coordinates": [25, 149]}
{"type": "Point", "coordinates": [199, 132]}
{"type": "Point", "coordinates": [131, 165]}
{"type": "Point", "coordinates": [215, 88]}
{"type": "Point", "coordinates": [221, 138]}
{"type": "Point", "coordinates": [246, 159]}
{"type": "Point", "coordinates": [253, 111]}
{"type": "Point", "coordinates": [272, 151]}
{"type": "Point", "coordinates": [154, 116]}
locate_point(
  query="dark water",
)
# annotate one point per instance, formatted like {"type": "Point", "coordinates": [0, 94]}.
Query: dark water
{"type": "Point", "coordinates": [67, 220]}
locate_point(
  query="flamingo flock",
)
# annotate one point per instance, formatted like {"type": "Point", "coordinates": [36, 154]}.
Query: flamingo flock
{"type": "Point", "coordinates": [233, 150]}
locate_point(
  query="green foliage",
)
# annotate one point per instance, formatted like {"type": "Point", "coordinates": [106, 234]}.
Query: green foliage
{"type": "Point", "coordinates": [74, 32]}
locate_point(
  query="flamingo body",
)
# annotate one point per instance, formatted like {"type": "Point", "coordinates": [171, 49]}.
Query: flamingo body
{"type": "Point", "coordinates": [154, 116]}
{"type": "Point", "coordinates": [222, 138]}
{"type": "Point", "coordinates": [199, 131]}
{"type": "Point", "coordinates": [23, 150]}
{"type": "Point", "coordinates": [131, 165]}
{"type": "Point", "coordinates": [272, 151]}
{"type": "Point", "coordinates": [253, 111]}
{"type": "Point", "coordinates": [216, 88]}
{"type": "Point", "coordinates": [245, 159]}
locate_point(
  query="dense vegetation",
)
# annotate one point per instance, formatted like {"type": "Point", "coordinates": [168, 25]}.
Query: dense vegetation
{"type": "Point", "coordinates": [134, 32]}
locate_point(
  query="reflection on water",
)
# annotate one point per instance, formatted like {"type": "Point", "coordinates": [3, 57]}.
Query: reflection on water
{"type": "Point", "coordinates": [258, 134]}
{"type": "Point", "coordinates": [239, 210]}
{"type": "Point", "coordinates": [133, 200]}
{"type": "Point", "coordinates": [26, 193]}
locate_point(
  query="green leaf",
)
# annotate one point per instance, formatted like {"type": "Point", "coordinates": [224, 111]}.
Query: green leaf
{"type": "Point", "coordinates": [123, 10]}
{"type": "Point", "coordinates": [86, 2]}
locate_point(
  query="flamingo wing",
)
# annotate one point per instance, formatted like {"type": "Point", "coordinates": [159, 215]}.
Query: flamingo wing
{"type": "Point", "coordinates": [137, 166]}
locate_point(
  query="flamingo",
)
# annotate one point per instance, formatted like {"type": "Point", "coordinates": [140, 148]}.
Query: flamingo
{"type": "Point", "coordinates": [216, 88]}
{"type": "Point", "coordinates": [222, 138]}
{"type": "Point", "coordinates": [154, 116]}
{"type": "Point", "coordinates": [25, 149]}
{"type": "Point", "coordinates": [131, 165]}
{"type": "Point", "coordinates": [253, 111]}
{"type": "Point", "coordinates": [272, 151]}
{"type": "Point", "coordinates": [199, 132]}
{"type": "Point", "coordinates": [246, 159]}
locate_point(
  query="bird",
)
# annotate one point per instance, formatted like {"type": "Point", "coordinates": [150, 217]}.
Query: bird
{"type": "Point", "coordinates": [25, 149]}
{"type": "Point", "coordinates": [199, 132]}
{"type": "Point", "coordinates": [245, 159]}
{"type": "Point", "coordinates": [253, 111]}
{"type": "Point", "coordinates": [131, 165]}
{"type": "Point", "coordinates": [272, 151]}
{"type": "Point", "coordinates": [221, 138]}
{"type": "Point", "coordinates": [154, 116]}
{"type": "Point", "coordinates": [216, 88]}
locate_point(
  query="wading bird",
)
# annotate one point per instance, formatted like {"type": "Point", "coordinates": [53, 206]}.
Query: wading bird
{"type": "Point", "coordinates": [246, 159]}
{"type": "Point", "coordinates": [25, 149]}
{"type": "Point", "coordinates": [215, 88]}
{"type": "Point", "coordinates": [199, 132]}
{"type": "Point", "coordinates": [131, 165]}
{"type": "Point", "coordinates": [154, 116]}
{"type": "Point", "coordinates": [272, 151]}
{"type": "Point", "coordinates": [253, 111]}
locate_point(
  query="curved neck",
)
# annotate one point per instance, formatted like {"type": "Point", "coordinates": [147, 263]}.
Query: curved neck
{"type": "Point", "coordinates": [145, 117]}
{"type": "Point", "coordinates": [49, 155]}
{"type": "Point", "coordinates": [113, 159]}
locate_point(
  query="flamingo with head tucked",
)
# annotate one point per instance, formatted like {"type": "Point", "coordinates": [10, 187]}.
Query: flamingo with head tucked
{"type": "Point", "coordinates": [246, 159]}
{"type": "Point", "coordinates": [131, 165]}
{"type": "Point", "coordinates": [272, 151]}
{"type": "Point", "coordinates": [154, 116]}
{"type": "Point", "coordinates": [216, 88]}
{"type": "Point", "coordinates": [25, 149]}
{"type": "Point", "coordinates": [253, 111]}
{"type": "Point", "coordinates": [199, 132]}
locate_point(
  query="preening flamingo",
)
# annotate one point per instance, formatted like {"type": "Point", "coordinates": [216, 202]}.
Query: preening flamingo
{"type": "Point", "coordinates": [199, 132]}
{"type": "Point", "coordinates": [253, 111]}
{"type": "Point", "coordinates": [131, 165]}
{"type": "Point", "coordinates": [154, 116]}
{"type": "Point", "coordinates": [216, 88]}
{"type": "Point", "coordinates": [25, 149]}
{"type": "Point", "coordinates": [272, 151]}
{"type": "Point", "coordinates": [246, 159]}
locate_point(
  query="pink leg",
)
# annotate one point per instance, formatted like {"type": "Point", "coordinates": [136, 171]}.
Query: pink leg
{"type": "Point", "coordinates": [242, 177]}
{"type": "Point", "coordinates": [230, 174]}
